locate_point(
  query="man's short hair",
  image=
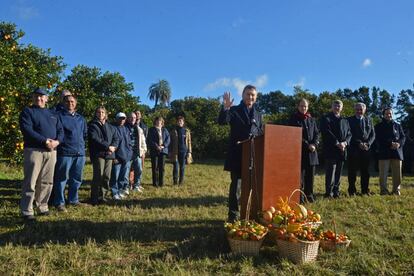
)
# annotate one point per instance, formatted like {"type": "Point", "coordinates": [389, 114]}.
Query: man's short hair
{"type": "Point", "coordinates": [249, 87]}
{"type": "Point", "coordinates": [338, 102]}
{"type": "Point", "coordinates": [70, 96]}
{"type": "Point", "coordinates": [180, 117]}
{"type": "Point", "coordinates": [360, 105]}
{"type": "Point", "coordinates": [385, 109]}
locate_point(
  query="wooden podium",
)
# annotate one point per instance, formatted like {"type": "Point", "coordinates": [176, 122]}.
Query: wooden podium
{"type": "Point", "coordinates": [277, 165]}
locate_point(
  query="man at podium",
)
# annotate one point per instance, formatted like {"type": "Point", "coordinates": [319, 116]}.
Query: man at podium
{"type": "Point", "coordinates": [245, 122]}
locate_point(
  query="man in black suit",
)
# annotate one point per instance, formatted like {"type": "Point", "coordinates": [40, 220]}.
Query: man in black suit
{"type": "Point", "coordinates": [363, 135]}
{"type": "Point", "coordinates": [336, 136]}
{"type": "Point", "coordinates": [390, 139]}
{"type": "Point", "coordinates": [245, 121]}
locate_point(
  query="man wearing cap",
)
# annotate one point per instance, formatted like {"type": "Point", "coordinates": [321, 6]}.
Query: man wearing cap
{"type": "Point", "coordinates": [42, 133]}
{"type": "Point", "coordinates": [122, 163]}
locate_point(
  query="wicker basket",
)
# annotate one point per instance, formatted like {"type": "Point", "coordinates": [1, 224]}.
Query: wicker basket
{"type": "Point", "coordinates": [245, 247]}
{"type": "Point", "coordinates": [298, 251]}
{"type": "Point", "coordinates": [334, 245]}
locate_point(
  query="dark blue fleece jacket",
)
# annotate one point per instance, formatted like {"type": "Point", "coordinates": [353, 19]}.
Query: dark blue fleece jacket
{"type": "Point", "coordinates": [39, 124]}
{"type": "Point", "coordinates": [74, 126]}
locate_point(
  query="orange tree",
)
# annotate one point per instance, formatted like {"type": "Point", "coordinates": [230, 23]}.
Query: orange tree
{"type": "Point", "coordinates": [22, 68]}
{"type": "Point", "coordinates": [94, 88]}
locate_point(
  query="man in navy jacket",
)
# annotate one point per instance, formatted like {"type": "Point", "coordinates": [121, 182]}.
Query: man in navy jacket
{"type": "Point", "coordinates": [122, 163]}
{"type": "Point", "coordinates": [336, 136]}
{"type": "Point", "coordinates": [390, 139]}
{"type": "Point", "coordinates": [70, 155]}
{"type": "Point", "coordinates": [359, 150]}
{"type": "Point", "coordinates": [245, 121]}
{"type": "Point", "coordinates": [42, 133]}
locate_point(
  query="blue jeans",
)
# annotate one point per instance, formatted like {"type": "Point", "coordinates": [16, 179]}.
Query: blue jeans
{"type": "Point", "coordinates": [68, 170]}
{"type": "Point", "coordinates": [119, 177]}
{"type": "Point", "coordinates": [136, 164]}
{"type": "Point", "coordinates": [179, 164]}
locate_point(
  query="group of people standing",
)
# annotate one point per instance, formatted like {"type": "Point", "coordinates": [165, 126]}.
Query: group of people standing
{"type": "Point", "coordinates": [354, 139]}
{"type": "Point", "coordinates": [55, 145]}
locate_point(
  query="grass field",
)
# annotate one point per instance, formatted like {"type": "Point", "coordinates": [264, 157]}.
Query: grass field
{"type": "Point", "coordinates": [179, 231]}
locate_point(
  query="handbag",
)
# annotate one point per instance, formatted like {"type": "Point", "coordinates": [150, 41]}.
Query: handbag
{"type": "Point", "coordinates": [189, 159]}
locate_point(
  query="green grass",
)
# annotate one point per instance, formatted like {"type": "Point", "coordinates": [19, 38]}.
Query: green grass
{"type": "Point", "coordinates": [179, 231]}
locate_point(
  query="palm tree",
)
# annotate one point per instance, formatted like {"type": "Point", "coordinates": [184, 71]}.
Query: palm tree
{"type": "Point", "coordinates": [160, 92]}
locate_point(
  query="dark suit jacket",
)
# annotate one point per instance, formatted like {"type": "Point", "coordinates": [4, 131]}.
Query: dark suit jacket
{"type": "Point", "coordinates": [360, 135]}
{"type": "Point", "coordinates": [386, 133]}
{"type": "Point", "coordinates": [330, 139]}
{"type": "Point", "coordinates": [153, 141]}
{"type": "Point", "coordinates": [242, 124]}
{"type": "Point", "coordinates": [310, 135]}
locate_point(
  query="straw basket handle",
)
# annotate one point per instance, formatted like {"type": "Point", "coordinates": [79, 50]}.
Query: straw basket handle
{"type": "Point", "coordinates": [300, 191]}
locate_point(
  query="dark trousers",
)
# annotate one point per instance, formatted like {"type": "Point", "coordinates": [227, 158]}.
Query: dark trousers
{"type": "Point", "coordinates": [157, 166]}
{"type": "Point", "coordinates": [179, 165]}
{"type": "Point", "coordinates": [358, 162]}
{"type": "Point", "coordinates": [307, 179]}
{"type": "Point", "coordinates": [234, 213]}
{"type": "Point", "coordinates": [333, 170]}
{"type": "Point", "coordinates": [102, 169]}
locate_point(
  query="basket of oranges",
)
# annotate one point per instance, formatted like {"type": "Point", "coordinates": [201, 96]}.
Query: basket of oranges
{"type": "Point", "coordinates": [245, 237]}
{"type": "Point", "coordinates": [331, 240]}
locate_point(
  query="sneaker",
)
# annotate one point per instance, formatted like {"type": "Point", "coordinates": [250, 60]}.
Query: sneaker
{"type": "Point", "coordinates": [126, 192]}
{"type": "Point", "coordinates": [122, 195]}
{"type": "Point", "coordinates": [139, 190]}
{"type": "Point", "coordinates": [116, 197]}
{"type": "Point", "coordinates": [61, 208]}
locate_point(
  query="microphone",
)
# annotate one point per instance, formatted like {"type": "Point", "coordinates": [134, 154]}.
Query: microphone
{"type": "Point", "coordinates": [253, 122]}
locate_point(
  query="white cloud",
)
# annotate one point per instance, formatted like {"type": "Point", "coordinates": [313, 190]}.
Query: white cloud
{"type": "Point", "coordinates": [300, 83]}
{"type": "Point", "coordinates": [236, 83]}
{"type": "Point", "coordinates": [24, 11]}
{"type": "Point", "coordinates": [366, 63]}
{"type": "Point", "coordinates": [238, 22]}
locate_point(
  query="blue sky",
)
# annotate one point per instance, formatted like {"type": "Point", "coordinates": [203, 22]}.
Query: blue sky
{"type": "Point", "coordinates": [204, 48]}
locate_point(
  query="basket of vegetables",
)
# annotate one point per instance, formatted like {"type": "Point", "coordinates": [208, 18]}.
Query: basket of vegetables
{"type": "Point", "coordinates": [245, 237]}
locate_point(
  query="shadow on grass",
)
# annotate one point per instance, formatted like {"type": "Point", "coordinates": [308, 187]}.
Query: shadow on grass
{"type": "Point", "coordinates": [198, 238]}
{"type": "Point", "coordinates": [162, 202]}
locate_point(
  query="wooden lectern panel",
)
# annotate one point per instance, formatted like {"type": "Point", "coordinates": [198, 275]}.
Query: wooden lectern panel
{"type": "Point", "coordinates": [278, 165]}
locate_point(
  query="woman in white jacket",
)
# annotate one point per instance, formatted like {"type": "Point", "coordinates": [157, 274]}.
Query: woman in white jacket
{"type": "Point", "coordinates": [139, 147]}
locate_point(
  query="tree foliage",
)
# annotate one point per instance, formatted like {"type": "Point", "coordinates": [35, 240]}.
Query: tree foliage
{"type": "Point", "coordinates": [160, 92]}
{"type": "Point", "coordinates": [94, 88]}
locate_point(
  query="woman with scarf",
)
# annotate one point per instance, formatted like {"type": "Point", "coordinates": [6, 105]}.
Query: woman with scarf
{"type": "Point", "coordinates": [158, 141]}
{"type": "Point", "coordinates": [310, 140]}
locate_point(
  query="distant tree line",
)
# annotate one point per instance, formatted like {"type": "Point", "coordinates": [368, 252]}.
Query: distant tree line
{"type": "Point", "coordinates": [24, 67]}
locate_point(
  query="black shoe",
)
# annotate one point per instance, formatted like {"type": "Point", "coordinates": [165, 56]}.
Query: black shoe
{"type": "Point", "coordinates": [29, 218]}
{"type": "Point", "coordinates": [311, 198]}
{"type": "Point", "coordinates": [45, 213]}
{"type": "Point", "coordinates": [352, 194]}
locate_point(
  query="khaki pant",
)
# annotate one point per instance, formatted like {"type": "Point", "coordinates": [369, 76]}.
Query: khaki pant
{"type": "Point", "coordinates": [38, 167]}
{"type": "Point", "coordinates": [100, 183]}
{"type": "Point", "coordinates": [384, 166]}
